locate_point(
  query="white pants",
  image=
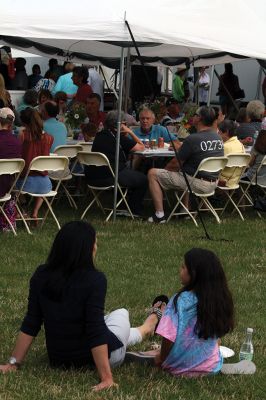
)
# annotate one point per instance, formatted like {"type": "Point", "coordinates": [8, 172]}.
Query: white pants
{"type": "Point", "coordinates": [118, 323]}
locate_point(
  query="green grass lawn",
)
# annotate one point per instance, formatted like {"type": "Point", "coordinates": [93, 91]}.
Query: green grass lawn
{"type": "Point", "coordinates": [140, 261]}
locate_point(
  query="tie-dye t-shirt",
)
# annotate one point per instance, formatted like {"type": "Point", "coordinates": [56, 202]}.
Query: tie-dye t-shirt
{"type": "Point", "coordinates": [189, 355]}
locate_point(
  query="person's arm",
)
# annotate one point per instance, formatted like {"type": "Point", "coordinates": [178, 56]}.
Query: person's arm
{"type": "Point", "coordinates": [97, 331]}
{"type": "Point", "coordinates": [165, 350]}
{"type": "Point", "coordinates": [126, 131]}
{"type": "Point", "coordinates": [100, 357]}
{"type": "Point", "coordinates": [22, 347]}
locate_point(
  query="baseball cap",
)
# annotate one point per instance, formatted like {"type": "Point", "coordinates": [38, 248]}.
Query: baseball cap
{"type": "Point", "coordinates": [7, 113]}
{"type": "Point", "coordinates": [170, 101]}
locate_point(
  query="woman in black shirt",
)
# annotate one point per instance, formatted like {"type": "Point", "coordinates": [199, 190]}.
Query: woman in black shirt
{"type": "Point", "coordinates": [67, 296]}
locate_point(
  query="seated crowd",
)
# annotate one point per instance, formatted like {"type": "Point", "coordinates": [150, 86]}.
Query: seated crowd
{"type": "Point", "coordinates": [41, 123]}
{"type": "Point", "coordinates": [67, 292]}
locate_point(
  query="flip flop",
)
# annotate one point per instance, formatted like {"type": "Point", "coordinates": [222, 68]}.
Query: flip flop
{"type": "Point", "coordinates": [157, 310]}
{"type": "Point", "coordinates": [162, 297]}
{"type": "Point", "coordinates": [139, 357]}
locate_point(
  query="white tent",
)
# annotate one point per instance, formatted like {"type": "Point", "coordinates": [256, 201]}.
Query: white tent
{"type": "Point", "coordinates": [163, 28]}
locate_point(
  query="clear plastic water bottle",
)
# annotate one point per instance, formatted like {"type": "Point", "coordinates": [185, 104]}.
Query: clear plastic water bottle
{"type": "Point", "coordinates": [246, 350]}
{"type": "Point", "coordinates": [256, 134]}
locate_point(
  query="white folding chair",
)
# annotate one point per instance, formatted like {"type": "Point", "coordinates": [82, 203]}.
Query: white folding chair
{"type": "Point", "coordinates": [211, 165]}
{"type": "Point", "coordinates": [69, 151]}
{"type": "Point", "coordinates": [86, 146]}
{"type": "Point", "coordinates": [237, 164]}
{"type": "Point", "coordinates": [12, 166]}
{"type": "Point", "coordinates": [100, 160]}
{"type": "Point", "coordinates": [259, 180]}
{"type": "Point", "coordinates": [42, 164]}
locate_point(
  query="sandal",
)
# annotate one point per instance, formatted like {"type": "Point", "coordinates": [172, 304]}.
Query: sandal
{"type": "Point", "coordinates": [162, 299]}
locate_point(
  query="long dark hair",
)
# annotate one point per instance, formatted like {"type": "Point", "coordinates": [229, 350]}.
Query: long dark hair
{"type": "Point", "coordinates": [71, 250]}
{"type": "Point", "coordinates": [32, 119]}
{"type": "Point", "coordinates": [215, 309]}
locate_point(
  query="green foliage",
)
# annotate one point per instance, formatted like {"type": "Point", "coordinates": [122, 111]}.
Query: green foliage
{"type": "Point", "coordinates": [141, 261]}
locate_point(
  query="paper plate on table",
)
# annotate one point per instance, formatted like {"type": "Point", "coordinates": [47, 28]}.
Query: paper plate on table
{"type": "Point", "coordinates": [226, 352]}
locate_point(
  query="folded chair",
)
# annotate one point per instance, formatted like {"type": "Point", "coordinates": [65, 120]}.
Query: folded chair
{"type": "Point", "coordinates": [41, 164]}
{"type": "Point", "coordinates": [100, 160]}
{"type": "Point", "coordinates": [211, 164]}
{"type": "Point", "coordinates": [12, 167]}
{"type": "Point", "coordinates": [69, 151]}
{"type": "Point", "coordinates": [237, 164]}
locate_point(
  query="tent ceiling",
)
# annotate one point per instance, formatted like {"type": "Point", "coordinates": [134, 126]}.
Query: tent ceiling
{"type": "Point", "coordinates": [166, 31]}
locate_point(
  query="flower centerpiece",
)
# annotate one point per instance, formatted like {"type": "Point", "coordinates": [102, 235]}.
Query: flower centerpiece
{"type": "Point", "coordinates": [186, 123]}
{"type": "Point", "coordinates": [75, 117]}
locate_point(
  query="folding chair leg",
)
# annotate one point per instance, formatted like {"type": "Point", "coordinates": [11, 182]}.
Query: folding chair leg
{"type": "Point", "coordinates": [23, 219]}
{"type": "Point", "coordinates": [70, 198]}
{"type": "Point", "coordinates": [8, 220]}
{"type": "Point", "coordinates": [51, 211]}
{"type": "Point", "coordinates": [175, 207]}
{"type": "Point", "coordinates": [123, 198]}
{"type": "Point", "coordinates": [212, 210]}
{"type": "Point", "coordinates": [95, 199]}
{"type": "Point", "coordinates": [96, 196]}
{"type": "Point", "coordinates": [230, 199]}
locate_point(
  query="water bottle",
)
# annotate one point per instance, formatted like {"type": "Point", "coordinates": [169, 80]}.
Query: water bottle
{"type": "Point", "coordinates": [246, 350]}
{"type": "Point", "coordinates": [256, 134]}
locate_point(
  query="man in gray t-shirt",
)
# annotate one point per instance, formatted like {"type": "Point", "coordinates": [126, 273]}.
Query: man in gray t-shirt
{"type": "Point", "coordinates": [203, 144]}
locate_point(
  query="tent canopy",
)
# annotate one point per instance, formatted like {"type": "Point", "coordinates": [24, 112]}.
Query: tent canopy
{"type": "Point", "coordinates": [168, 31]}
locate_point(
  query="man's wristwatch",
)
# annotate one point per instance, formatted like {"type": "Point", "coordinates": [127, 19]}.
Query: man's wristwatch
{"type": "Point", "coordinates": [13, 361]}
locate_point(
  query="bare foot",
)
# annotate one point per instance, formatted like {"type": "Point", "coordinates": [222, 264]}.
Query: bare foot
{"type": "Point", "coordinates": [149, 325]}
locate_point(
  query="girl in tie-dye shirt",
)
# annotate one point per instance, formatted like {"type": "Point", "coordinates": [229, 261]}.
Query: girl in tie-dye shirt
{"type": "Point", "coordinates": [200, 313]}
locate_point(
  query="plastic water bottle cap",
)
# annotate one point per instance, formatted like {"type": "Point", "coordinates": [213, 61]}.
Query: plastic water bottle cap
{"type": "Point", "coordinates": [250, 330]}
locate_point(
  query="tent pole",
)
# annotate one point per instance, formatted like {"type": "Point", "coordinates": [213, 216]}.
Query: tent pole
{"type": "Point", "coordinates": [210, 88]}
{"type": "Point", "coordinates": [121, 79]}
{"type": "Point", "coordinates": [127, 80]}
{"type": "Point", "coordinates": [167, 80]}
{"type": "Point", "coordinates": [259, 83]}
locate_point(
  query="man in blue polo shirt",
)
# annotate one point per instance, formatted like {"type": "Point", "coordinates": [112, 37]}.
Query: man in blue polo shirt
{"type": "Point", "coordinates": [148, 130]}
{"type": "Point", "coordinates": [52, 126]}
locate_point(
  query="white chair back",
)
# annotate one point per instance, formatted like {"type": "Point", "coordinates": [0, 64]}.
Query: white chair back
{"type": "Point", "coordinates": [94, 159]}
{"type": "Point", "coordinates": [11, 166]}
{"type": "Point", "coordinates": [85, 146]}
{"type": "Point", "coordinates": [237, 160]}
{"type": "Point", "coordinates": [69, 151]}
{"type": "Point", "coordinates": [212, 164]}
{"type": "Point", "coordinates": [48, 163]}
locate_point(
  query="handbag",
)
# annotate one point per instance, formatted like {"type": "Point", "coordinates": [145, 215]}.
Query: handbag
{"type": "Point", "coordinates": [239, 94]}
